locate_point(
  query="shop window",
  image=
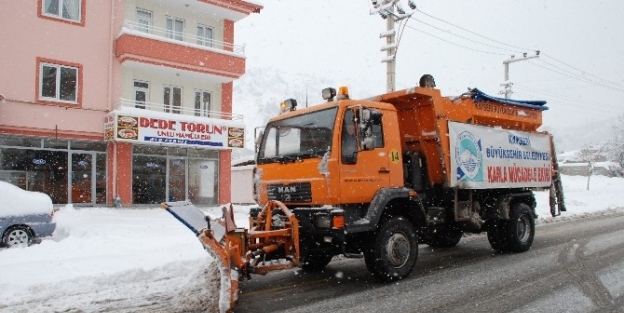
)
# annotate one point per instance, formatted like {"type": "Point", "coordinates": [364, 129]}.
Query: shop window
{"type": "Point", "coordinates": [148, 179]}
{"type": "Point", "coordinates": [71, 11]}
{"type": "Point", "coordinates": [36, 170]}
{"type": "Point", "coordinates": [58, 82]}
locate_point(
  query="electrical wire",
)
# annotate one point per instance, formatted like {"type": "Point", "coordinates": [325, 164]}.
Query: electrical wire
{"type": "Point", "coordinates": [582, 71]}
{"type": "Point", "coordinates": [471, 32]}
{"type": "Point", "coordinates": [465, 38]}
{"type": "Point", "coordinates": [455, 44]}
{"type": "Point", "coordinates": [578, 78]}
{"type": "Point", "coordinates": [601, 81]}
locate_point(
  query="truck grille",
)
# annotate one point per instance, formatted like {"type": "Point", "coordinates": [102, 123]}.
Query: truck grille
{"type": "Point", "coordinates": [301, 192]}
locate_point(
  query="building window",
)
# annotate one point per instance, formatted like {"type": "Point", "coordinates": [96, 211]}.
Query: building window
{"type": "Point", "coordinates": [202, 103]}
{"type": "Point", "coordinates": [173, 99]}
{"type": "Point", "coordinates": [144, 21]}
{"type": "Point", "coordinates": [141, 94]}
{"type": "Point", "coordinates": [175, 28]}
{"type": "Point", "coordinates": [204, 35]}
{"type": "Point", "coordinates": [58, 82]}
{"type": "Point", "coordinates": [70, 10]}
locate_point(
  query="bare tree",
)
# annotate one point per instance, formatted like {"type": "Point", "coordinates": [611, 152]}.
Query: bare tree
{"type": "Point", "coordinates": [590, 155]}
{"type": "Point", "coordinates": [616, 141]}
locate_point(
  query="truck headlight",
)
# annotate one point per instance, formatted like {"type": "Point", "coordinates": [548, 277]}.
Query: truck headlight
{"type": "Point", "coordinates": [322, 220]}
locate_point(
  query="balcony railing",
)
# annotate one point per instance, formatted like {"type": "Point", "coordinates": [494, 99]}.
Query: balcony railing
{"type": "Point", "coordinates": [172, 109]}
{"type": "Point", "coordinates": [171, 35]}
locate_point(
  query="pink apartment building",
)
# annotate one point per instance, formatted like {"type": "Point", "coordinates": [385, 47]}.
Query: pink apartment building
{"type": "Point", "coordinates": [121, 99]}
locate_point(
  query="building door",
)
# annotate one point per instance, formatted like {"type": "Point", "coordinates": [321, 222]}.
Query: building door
{"type": "Point", "coordinates": [82, 171]}
{"type": "Point", "coordinates": [141, 94]}
{"type": "Point", "coordinates": [177, 179]}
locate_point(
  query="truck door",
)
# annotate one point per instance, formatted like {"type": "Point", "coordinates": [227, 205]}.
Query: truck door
{"type": "Point", "coordinates": [362, 172]}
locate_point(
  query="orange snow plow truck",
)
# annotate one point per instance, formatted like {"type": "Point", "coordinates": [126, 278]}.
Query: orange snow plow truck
{"type": "Point", "coordinates": [374, 178]}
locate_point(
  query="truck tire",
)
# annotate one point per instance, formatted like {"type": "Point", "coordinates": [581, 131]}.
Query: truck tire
{"type": "Point", "coordinates": [394, 250]}
{"type": "Point", "coordinates": [516, 234]}
{"type": "Point", "coordinates": [445, 237]}
{"type": "Point", "coordinates": [495, 235]}
{"type": "Point", "coordinates": [520, 229]}
{"type": "Point", "coordinates": [315, 262]}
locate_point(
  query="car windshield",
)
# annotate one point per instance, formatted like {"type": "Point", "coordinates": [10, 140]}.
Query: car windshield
{"type": "Point", "coordinates": [299, 137]}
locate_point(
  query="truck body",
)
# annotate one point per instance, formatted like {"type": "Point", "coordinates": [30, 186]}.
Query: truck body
{"type": "Point", "coordinates": [426, 169]}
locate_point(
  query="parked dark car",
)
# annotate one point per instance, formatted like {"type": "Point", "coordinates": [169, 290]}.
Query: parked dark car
{"type": "Point", "coordinates": [25, 216]}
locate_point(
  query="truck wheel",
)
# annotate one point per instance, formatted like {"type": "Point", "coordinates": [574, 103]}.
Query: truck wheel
{"type": "Point", "coordinates": [394, 250]}
{"type": "Point", "coordinates": [520, 229]}
{"type": "Point", "coordinates": [315, 262]}
{"type": "Point", "coordinates": [495, 235]}
{"type": "Point", "coordinates": [445, 237]}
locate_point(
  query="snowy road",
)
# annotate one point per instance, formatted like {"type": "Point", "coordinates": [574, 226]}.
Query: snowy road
{"type": "Point", "coordinates": [573, 266]}
{"type": "Point", "coordinates": [143, 260]}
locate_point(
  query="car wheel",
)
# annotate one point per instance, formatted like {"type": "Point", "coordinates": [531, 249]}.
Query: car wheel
{"type": "Point", "coordinates": [17, 236]}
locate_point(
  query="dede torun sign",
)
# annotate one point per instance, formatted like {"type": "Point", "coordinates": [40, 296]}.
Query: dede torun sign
{"type": "Point", "coordinates": [485, 157]}
{"type": "Point", "coordinates": [209, 133]}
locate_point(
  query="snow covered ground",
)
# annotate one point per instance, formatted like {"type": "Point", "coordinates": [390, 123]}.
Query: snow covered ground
{"type": "Point", "coordinates": [143, 260]}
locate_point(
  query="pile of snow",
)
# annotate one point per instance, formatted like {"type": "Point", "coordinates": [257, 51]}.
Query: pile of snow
{"type": "Point", "coordinates": [106, 259]}
{"type": "Point", "coordinates": [17, 201]}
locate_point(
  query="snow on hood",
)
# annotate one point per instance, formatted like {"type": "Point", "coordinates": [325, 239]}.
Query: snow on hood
{"type": "Point", "coordinates": [17, 201]}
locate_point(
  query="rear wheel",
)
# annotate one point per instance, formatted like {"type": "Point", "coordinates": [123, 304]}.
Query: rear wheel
{"type": "Point", "coordinates": [445, 237]}
{"type": "Point", "coordinates": [394, 250]}
{"type": "Point", "coordinates": [17, 236]}
{"type": "Point", "coordinates": [520, 229]}
{"type": "Point", "coordinates": [495, 235]}
{"type": "Point", "coordinates": [516, 234]}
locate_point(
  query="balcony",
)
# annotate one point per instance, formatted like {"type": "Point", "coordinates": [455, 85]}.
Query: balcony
{"type": "Point", "coordinates": [160, 108]}
{"type": "Point", "coordinates": [163, 47]}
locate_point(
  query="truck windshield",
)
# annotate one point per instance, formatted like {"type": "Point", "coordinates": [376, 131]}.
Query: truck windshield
{"type": "Point", "coordinates": [298, 137]}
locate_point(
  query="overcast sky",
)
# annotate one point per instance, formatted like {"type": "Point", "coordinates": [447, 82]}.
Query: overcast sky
{"type": "Point", "coordinates": [461, 43]}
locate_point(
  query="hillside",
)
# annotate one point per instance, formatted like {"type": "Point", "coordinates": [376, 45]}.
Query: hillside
{"type": "Point", "coordinates": [258, 93]}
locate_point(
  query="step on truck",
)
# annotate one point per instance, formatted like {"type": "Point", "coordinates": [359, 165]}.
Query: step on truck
{"type": "Point", "coordinates": [374, 178]}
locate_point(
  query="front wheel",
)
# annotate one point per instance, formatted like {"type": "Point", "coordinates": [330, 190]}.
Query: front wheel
{"type": "Point", "coordinates": [17, 236]}
{"type": "Point", "coordinates": [394, 250]}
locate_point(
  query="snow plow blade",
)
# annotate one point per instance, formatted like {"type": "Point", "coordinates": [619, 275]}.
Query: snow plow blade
{"type": "Point", "coordinates": [271, 243]}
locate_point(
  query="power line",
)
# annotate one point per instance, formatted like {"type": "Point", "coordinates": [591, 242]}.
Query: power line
{"type": "Point", "coordinates": [601, 81]}
{"type": "Point", "coordinates": [455, 44]}
{"type": "Point", "coordinates": [462, 37]}
{"type": "Point", "coordinates": [582, 71]}
{"type": "Point", "coordinates": [469, 31]}
{"type": "Point", "coordinates": [578, 78]}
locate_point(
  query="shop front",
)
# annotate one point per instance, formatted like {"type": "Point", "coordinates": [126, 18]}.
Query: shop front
{"type": "Point", "coordinates": [70, 171]}
{"type": "Point", "coordinates": [156, 157]}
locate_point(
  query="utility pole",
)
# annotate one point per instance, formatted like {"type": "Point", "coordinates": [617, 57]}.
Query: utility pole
{"type": "Point", "coordinates": [507, 84]}
{"type": "Point", "coordinates": [386, 9]}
